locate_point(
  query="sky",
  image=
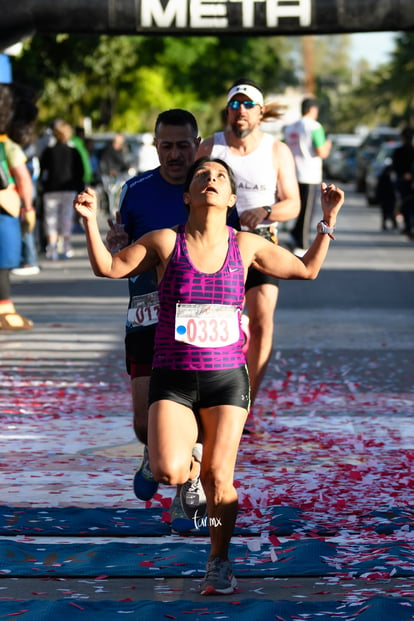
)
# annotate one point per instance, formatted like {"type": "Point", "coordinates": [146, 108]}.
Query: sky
{"type": "Point", "coordinates": [374, 47]}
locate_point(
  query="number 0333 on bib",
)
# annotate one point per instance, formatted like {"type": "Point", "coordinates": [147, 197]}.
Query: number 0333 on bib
{"type": "Point", "coordinates": [207, 325]}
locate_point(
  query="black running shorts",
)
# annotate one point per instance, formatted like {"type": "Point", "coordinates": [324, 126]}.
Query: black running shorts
{"type": "Point", "coordinates": [256, 278]}
{"type": "Point", "coordinates": [201, 389]}
{"type": "Point", "coordinates": [139, 351]}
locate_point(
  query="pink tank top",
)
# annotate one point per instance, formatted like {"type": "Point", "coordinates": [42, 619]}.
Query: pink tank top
{"type": "Point", "coordinates": [199, 320]}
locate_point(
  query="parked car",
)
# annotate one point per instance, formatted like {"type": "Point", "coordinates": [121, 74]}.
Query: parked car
{"type": "Point", "coordinates": [341, 161]}
{"type": "Point", "coordinates": [376, 167]}
{"type": "Point", "coordinates": [368, 149]}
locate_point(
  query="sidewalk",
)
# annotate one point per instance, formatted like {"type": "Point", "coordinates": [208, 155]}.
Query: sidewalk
{"type": "Point", "coordinates": [335, 430]}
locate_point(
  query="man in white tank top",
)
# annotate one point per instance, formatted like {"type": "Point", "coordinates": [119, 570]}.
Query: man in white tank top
{"type": "Point", "coordinates": [267, 193]}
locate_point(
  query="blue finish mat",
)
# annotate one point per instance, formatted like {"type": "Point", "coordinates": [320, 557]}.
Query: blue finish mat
{"type": "Point", "coordinates": [282, 521]}
{"type": "Point", "coordinates": [305, 557]}
{"type": "Point", "coordinates": [102, 522]}
{"type": "Point", "coordinates": [75, 521]}
{"type": "Point", "coordinates": [374, 609]}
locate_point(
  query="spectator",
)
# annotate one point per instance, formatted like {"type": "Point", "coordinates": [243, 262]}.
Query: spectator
{"type": "Point", "coordinates": [113, 167]}
{"type": "Point", "coordinates": [403, 165]}
{"type": "Point", "coordinates": [78, 139]}
{"type": "Point", "coordinates": [61, 173]}
{"type": "Point", "coordinates": [17, 116]}
{"type": "Point", "coordinates": [386, 197]}
{"type": "Point", "coordinates": [113, 161]}
{"type": "Point", "coordinates": [307, 141]}
{"type": "Point", "coordinates": [29, 260]}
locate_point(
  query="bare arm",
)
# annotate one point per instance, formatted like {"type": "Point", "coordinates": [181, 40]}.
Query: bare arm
{"type": "Point", "coordinates": [134, 259]}
{"type": "Point", "coordinates": [205, 147]}
{"type": "Point", "coordinates": [324, 150]}
{"type": "Point", "coordinates": [281, 263]}
{"type": "Point", "coordinates": [24, 185]}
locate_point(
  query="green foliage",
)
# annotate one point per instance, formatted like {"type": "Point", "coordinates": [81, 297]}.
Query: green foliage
{"type": "Point", "coordinates": [386, 94]}
{"type": "Point", "coordinates": [401, 75]}
{"type": "Point", "coordinates": [122, 83]}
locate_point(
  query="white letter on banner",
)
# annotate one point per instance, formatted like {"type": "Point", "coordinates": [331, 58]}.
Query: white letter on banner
{"type": "Point", "coordinates": [247, 12]}
{"type": "Point", "coordinates": [288, 8]}
{"type": "Point", "coordinates": [208, 14]}
{"type": "Point", "coordinates": [175, 13]}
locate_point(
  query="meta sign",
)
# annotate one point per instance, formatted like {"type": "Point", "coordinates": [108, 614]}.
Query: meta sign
{"type": "Point", "coordinates": [201, 17]}
{"type": "Point", "coordinates": [224, 14]}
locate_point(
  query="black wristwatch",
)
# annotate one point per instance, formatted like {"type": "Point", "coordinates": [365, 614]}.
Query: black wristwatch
{"type": "Point", "coordinates": [268, 210]}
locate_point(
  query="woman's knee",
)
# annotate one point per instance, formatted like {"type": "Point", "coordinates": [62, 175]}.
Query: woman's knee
{"type": "Point", "coordinates": [217, 485]}
{"type": "Point", "coordinates": [170, 472]}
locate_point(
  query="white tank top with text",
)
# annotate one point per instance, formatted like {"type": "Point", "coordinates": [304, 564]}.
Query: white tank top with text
{"type": "Point", "coordinates": [255, 172]}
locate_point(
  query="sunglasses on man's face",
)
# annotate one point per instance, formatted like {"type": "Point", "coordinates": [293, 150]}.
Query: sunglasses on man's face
{"type": "Point", "coordinates": [235, 104]}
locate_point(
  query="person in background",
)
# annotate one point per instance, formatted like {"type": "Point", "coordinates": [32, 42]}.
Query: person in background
{"type": "Point", "coordinates": [199, 378]}
{"type": "Point", "coordinates": [113, 161]}
{"type": "Point", "coordinates": [386, 198]}
{"type": "Point", "coordinates": [267, 193]}
{"type": "Point", "coordinates": [403, 166]}
{"type": "Point", "coordinates": [61, 175]}
{"type": "Point", "coordinates": [78, 139]}
{"type": "Point", "coordinates": [113, 167]}
{"type": "Point", "coordinates": [93, 161]}
{"type": "Point", "coordinates": [29, 265]}
{"type": "Point", "coordinates": [307, 140]}
{"type": "Point", "coordinates": [18, 114]}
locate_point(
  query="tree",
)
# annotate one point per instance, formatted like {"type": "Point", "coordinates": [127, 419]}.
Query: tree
{"type": "Point", "coordinates": [400, 81]}
{"type": "Point", "coordinates": [122, 83]}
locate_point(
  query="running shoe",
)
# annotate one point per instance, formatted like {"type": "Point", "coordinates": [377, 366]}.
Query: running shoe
{"type": "Point", "coordinates": [193, 498]}
{"type": "Point", "coordinates": [179, 521]}
{"type": "Point", "coordinates": [145, 486]}
{"type": "Point", "coordinates": [219, 578]}
{"type": "Point", "coordinates": [26, 270]}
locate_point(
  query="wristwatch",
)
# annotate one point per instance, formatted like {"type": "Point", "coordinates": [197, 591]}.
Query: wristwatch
{"type": "Point", "coordinates": [324, 228]}
{"type": "Point", "coordinates": [267, 209]}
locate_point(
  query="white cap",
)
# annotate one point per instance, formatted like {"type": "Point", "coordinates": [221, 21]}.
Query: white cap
{"type": "Point", "coordinates": [250, 91]}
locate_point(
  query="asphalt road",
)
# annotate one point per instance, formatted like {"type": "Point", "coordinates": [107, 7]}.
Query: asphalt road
{"type": "Point", "coordinates": [364, 291]}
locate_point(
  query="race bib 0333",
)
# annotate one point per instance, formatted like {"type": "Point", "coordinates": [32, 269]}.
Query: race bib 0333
{"type": "Point", "coordinates": [207, 325]}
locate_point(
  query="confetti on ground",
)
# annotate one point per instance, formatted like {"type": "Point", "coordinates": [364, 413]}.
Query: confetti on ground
{"type": "Point", "coordinates": [325, 486]}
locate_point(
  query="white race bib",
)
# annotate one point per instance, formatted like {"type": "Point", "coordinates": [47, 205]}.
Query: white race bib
{"type": "Point", "coordinates": [144, 310]}
{"type": "Point", "coordinates": [207, 325]}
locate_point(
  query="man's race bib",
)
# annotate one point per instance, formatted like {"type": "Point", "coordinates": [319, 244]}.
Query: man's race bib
{"type": "Point", "coordinates": [207, 325]}
{"type": "Point", "coordinates": [144, 310]}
